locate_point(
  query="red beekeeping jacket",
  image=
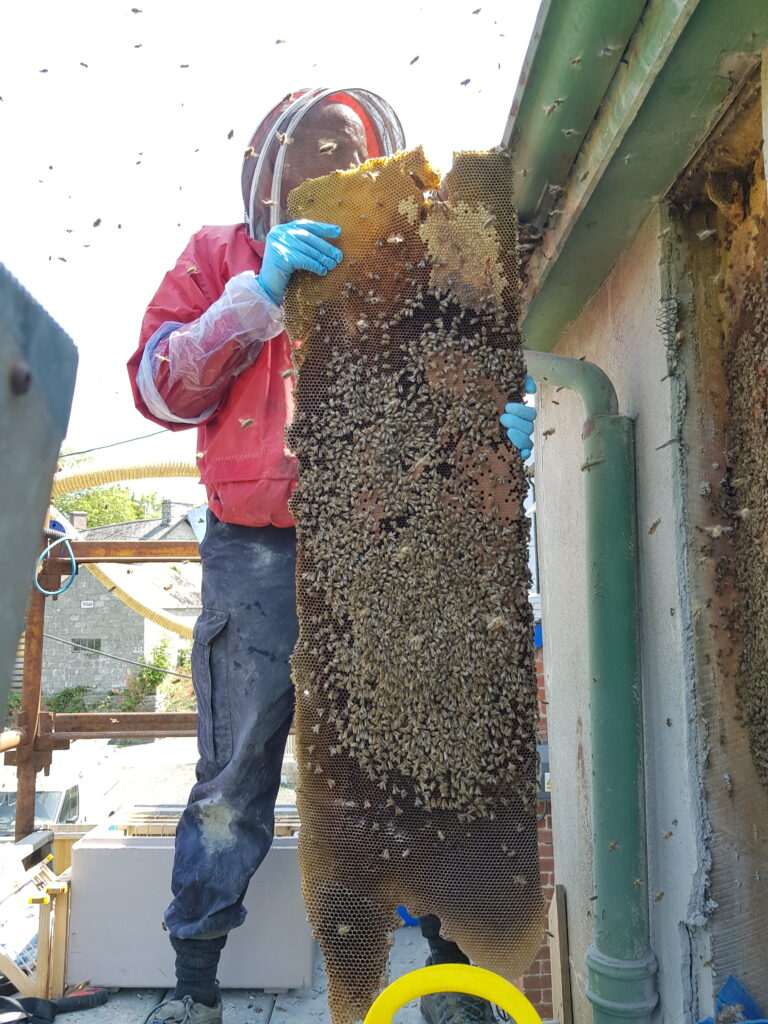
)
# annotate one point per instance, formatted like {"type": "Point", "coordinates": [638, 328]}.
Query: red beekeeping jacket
{"type": "Point", "coordinates": [248, 471]}
{"type": "Point", "coordinates": [241, 406]}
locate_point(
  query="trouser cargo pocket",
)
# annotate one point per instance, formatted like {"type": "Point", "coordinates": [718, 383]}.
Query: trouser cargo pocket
{"type": "Point", "coordinates": [210, 678]}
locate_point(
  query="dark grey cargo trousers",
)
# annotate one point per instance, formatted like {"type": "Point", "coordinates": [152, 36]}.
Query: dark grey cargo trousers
{"type": "Point", "coordinates": [242, 642]}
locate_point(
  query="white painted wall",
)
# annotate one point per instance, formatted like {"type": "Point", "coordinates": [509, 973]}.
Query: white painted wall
{"type": "Point", "coordinates": [618, 332]}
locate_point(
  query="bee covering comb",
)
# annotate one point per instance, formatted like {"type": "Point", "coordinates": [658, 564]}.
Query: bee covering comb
{"type": "Point", "coordinates": [411, 539]}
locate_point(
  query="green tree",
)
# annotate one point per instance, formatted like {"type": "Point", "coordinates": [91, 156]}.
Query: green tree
{"type": "Point", "coordinates": [110, 504]}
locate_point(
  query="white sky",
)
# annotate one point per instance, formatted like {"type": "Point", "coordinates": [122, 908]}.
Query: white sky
{"type": "Point", "coordinates": [141, 143]}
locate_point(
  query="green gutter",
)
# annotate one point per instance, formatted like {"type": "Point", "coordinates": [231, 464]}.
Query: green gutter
{"type": "Point", "coordinates": [621, 964]}
{"type": "Point", "coordinates": [684, 63]}
{"type": "Point", "coordinates": [575, 49]}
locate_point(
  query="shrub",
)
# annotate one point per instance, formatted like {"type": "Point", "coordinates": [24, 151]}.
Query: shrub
{"type": "Point", "coordinates": [145, 681]}
{"type": "Point", "coordinates": [184, 659]}
{"type": "Point", "coordinates": [70, 699]}
{"type": "Point", "coordinates": [178, 693]}
{"type": "Point", "coordinates": [14, 705]}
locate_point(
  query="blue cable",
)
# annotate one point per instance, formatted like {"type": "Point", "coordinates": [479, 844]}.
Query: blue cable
{"type": "Point", "coordinates": [73, 571]}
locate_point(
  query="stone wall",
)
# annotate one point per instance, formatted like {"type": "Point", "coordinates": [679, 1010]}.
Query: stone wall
{"type": "Point", "coordinates": [88, 612]}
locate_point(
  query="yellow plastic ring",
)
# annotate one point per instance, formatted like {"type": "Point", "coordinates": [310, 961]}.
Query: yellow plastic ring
{"type": "Point", "coordinates": [474, 981]}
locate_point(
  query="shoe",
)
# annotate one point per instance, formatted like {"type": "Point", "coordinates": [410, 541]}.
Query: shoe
{"type": "Point", "coordinates": [456, 1008]}
{"type": "Point", "coordinates": [185, 1011]}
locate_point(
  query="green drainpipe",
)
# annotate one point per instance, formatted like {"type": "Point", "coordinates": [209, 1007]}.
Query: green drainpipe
{"type": "Point", "coordinates": [622, 967]}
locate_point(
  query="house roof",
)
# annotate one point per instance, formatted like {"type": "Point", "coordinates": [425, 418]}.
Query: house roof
{"type": "Point", "coordinates": [180, 527]}
{"type": "Point", "coordinates": [613, 102]}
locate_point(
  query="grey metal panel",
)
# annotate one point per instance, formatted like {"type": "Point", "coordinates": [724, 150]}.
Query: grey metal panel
{"type": "Point", "coordinates": [38, 364]}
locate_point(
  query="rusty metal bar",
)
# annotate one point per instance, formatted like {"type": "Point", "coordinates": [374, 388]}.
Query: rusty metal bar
{"type": "Point", "coordinates": [128, 725]}
{"type": "Point", "coordinates": [130, 734]}
{"type": "Point", "coordinates": [139, 551]}
{"type": "Point", "coordinates": [90, 725]}
{"type": "Point", "coordinates": [30, 710]}
{"type": "Point", "coordinates": [125, 553]}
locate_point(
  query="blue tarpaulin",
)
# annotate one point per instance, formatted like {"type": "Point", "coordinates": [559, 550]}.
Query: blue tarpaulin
{"type": "Point", "coordinates": [733, 994]}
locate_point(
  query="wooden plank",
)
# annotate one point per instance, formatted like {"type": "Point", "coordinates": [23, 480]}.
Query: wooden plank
{"type": "Point", "coordinates": [157, 822]}
{"type": "Point", "coordinates": [60, 938]}
{"type": "Point", "coordinates": [64, 838]}
{"type": "Point", "coordinates": [16, 976]}
{"type": "Point", "coordinates": [562, 1005]}
{"type": "Point", "coordinates": [43, 968]}
{"type": "Point", "coordinates": [150, 828]}
{"type": "Point", "coordinates": [287, 828]}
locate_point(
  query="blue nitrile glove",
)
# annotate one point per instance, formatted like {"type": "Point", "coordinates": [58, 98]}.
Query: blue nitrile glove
{"type": "Point", "coordinates": [297, 245]}
{"type": "Point", "coordinates": [518, 419]}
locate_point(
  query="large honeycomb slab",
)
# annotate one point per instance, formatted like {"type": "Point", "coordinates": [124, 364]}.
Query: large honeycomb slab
{"type": "Point", "coordinates": [416, 696]}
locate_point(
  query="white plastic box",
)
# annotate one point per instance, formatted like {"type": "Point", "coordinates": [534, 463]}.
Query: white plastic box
{"type": "Point", "coordinates": [120, 889]}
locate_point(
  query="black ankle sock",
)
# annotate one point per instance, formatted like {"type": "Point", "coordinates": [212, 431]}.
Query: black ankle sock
{"type": "Point", "coordinates": [440, 950]}
{"type": "Point", "coordinates": [197, 961]}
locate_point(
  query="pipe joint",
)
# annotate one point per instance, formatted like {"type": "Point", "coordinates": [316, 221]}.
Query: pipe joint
{"type": "Point", "coordinates": [592, 384]}
{"type": "Point", "coordinates": [621, 989]}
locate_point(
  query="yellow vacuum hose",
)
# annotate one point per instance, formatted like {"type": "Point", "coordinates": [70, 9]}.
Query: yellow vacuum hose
{"type": "Point", "coordinates": [63, 483]}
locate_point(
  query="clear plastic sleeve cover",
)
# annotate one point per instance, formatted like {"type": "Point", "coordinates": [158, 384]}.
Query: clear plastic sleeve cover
{"type": "Point", "coordinates": [223, 342]}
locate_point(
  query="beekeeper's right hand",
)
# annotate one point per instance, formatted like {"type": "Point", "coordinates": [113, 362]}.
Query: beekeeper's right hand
{"type": "Point", "coordinates": [297, 245]}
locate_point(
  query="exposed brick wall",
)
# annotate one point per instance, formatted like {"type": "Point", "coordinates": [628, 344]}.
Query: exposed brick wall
{"type": "Point", "coordinates": [537, 983]}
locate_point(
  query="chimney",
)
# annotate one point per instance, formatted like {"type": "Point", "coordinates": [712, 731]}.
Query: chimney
{"type": "Point", "coordinates": [79, 520]}
{"type": "Point", "coordinates": [170, 511]}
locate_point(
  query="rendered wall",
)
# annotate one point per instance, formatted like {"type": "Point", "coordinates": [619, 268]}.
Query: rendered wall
{"type": "Point", "coordinates": [618, 331]}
